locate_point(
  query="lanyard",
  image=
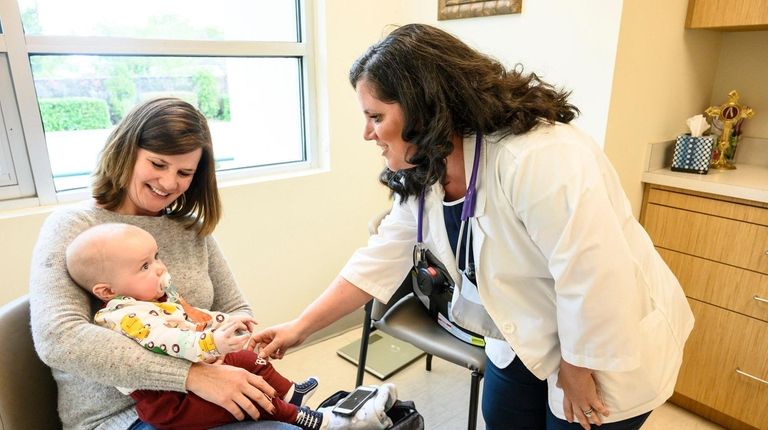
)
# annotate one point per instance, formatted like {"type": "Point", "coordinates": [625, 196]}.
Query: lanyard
{"type": "Point", "coordinates": [468, 211]}
{"type": "Point", "coordinates": [466, 313]}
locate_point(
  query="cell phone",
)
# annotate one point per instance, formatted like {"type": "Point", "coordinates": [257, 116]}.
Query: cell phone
{"type": "Point", "coordinates": [354, 400]}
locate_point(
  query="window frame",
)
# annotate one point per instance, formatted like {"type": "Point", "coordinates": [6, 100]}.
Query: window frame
{"type": "Point", "coordinates": [33, 173]}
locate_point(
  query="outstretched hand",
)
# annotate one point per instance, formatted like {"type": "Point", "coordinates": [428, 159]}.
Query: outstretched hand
{"type": "Point", "coordinates": [581, 395]}
{"type": "Point", "coordinates": [272, 342]}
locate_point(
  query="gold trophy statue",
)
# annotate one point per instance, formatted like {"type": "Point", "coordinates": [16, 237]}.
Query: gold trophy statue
{"type": "Point", "coordinates": [729, 113]}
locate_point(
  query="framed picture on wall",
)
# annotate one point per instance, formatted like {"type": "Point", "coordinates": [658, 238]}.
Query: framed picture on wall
{"type": "Point", "coordinates": [456, 9]}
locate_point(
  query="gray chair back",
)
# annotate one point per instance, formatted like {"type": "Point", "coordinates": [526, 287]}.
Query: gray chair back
{"type": "Point", "coordinates": [27, 388]}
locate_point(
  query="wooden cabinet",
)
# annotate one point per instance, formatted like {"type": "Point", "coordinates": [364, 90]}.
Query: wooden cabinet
{"type": "Point", "coordinates": [718, 248]}
{"type": "Point", "coordinates": [728, 14]}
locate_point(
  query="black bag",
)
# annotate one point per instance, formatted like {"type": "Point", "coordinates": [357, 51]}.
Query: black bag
{"type": "Point", "coordinates": [403, 413]}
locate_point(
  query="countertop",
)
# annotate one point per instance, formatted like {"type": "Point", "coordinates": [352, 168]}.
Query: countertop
{"type": "Point", "coordinates": [749, 181]}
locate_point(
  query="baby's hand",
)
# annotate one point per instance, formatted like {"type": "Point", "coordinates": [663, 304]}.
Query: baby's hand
{"type": "Point", "coordinates": [215, 360]}
{"type": "Point", "coordinates": [233, 334]}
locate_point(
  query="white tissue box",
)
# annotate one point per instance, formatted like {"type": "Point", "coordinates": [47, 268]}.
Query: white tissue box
{"type": "Point", "coordinates": [693, 154]}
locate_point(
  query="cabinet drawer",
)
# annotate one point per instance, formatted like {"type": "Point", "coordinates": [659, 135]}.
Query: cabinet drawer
{"type": "Point", "coordinates": [737, 243]}
{"type": "Point", "coordinates": [726, 286]}
{"type": "Point", "coordinates": [722, 342]}
{"type": "Point", "coordinates": [743, 210]}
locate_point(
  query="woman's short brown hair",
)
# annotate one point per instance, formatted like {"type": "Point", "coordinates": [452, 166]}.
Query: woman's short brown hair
{"type": "Point", "coordinates": [167, 126]}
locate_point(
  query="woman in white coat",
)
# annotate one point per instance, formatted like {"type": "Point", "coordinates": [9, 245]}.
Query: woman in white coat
{"type": "Point", "coordinates": [587, 323]}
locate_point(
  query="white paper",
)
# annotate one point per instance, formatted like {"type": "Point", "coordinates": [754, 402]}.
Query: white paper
{"type": "Point", "coordinates": [697, 124]}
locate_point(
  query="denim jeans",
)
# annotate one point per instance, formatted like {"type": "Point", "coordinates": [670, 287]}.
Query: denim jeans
{"type": "Point", "coordinates": [513, 398]}
{"type": "Point", "coordinates": [241, 425]}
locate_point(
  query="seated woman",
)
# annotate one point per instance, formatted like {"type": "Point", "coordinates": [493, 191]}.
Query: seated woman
{"type": "Point", "coordinates": [156, 172]}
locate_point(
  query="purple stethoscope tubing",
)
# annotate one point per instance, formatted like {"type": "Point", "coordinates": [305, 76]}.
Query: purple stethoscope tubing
{"type": "Point", "coordinates": [470, 198]}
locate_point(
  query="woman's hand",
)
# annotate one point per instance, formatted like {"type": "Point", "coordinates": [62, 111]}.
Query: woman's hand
{"type": "Point", "coordinates": [339, 299]}
{"type": "Point", "coordinates": [581, 395]}
{"type": "Point", "coordinates": [272, 342]}
{"type": "Point", "coordinates": [232, 388]}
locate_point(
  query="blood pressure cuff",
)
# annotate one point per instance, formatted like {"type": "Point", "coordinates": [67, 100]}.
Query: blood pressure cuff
{"type": "Point", "coordinates": [435, 288]}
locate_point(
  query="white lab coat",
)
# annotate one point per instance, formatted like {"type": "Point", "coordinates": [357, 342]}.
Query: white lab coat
{"type": "Point", "coordinates": [563, 268]}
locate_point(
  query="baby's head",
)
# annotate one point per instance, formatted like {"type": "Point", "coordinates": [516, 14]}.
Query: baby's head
{"type": "Point", "coordinates": [111, 260]}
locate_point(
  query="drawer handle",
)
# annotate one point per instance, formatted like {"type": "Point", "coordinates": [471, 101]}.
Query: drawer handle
{"type": "Point", "coordinates": [760, 299]}
{"type": "Point", "coordinates": [743, 373]}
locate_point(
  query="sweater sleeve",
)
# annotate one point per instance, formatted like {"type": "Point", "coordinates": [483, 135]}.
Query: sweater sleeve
{"type": "Point", "coordinates": [61, 315]}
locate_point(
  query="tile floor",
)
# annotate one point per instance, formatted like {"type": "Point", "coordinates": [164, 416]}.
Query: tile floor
{"type": "Point", "coordinates": [440, 395]}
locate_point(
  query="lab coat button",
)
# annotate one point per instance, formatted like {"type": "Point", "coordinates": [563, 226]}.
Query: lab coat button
{"type": "Point", "coordinates": [508, 327]}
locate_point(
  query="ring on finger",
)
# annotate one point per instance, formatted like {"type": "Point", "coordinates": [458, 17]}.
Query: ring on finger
{"type": "Point", "coordinates": [588, 413]}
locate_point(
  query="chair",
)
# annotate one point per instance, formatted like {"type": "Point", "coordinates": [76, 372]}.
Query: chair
{"type": "Point", "coordinates": [27, 388]}
{"type": "Point", "coordinates": [405, 318]}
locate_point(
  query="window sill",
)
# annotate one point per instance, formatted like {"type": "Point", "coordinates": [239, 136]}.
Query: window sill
{"type": "Point", "coordinates": [31, 205]}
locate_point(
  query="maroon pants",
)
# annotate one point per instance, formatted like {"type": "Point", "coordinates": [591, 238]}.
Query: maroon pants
{"type": "Point", "coordinates": [187, 411]}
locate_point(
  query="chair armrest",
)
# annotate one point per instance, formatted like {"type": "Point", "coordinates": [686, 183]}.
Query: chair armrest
{"type": "Point", "coordinates": [28, 391]}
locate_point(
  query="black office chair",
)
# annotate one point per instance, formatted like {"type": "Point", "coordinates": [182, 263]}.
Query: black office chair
{"type": "Point", "coordinates": [406, 318]}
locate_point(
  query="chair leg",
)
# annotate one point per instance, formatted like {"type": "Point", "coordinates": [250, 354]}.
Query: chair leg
{"type": "Point", "coordinates": [429, 362]}
{"type": "Point", "coordinates": [363, 356]}
{"type": "Point", "coordinates": [474, 393]}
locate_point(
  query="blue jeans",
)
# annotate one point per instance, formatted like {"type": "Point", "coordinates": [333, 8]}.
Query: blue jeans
{"type": "Point", "coordinates": [513, 398]}
{"type": "Point", "coordinates": [241, 425]}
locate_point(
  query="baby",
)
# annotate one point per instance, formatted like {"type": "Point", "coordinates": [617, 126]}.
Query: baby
{"type": "Point", "coordinates": [118, 263]}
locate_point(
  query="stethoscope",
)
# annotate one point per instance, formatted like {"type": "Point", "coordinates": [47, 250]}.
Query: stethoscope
{"type": "Point", "coordinates": [467, 211]}
{"type": "Point", "coordinates": [470, 315]}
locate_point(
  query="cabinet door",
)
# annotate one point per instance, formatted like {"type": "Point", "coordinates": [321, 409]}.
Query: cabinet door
{"type": "Point", "coordinates": [722, 342]}
{"type": "Point", "coordinates": [738, 243]}
{"type": "Point", "coordinates": [728, 14]}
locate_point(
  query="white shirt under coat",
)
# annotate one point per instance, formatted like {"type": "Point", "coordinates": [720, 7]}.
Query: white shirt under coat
{"type": "Point", "coordinates": [563, 267]}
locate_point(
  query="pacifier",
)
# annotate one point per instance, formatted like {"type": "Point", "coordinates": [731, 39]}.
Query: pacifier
{"type": "Point", "coordinates": [165, 280]}
{"type": "Point", "coordinates": [170, 291]}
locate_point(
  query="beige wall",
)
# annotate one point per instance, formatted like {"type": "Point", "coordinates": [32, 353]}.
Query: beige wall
{"type": "Point", "coordinates": [663, 75]}
{"type": "Point", "coordinates": [571, 44]}
{"type": "Point", "coordinates": [285, 239]}
{"type": "Point", "coordinates": [18, 231]}
{"type": "Point", "coordinates": [743, 66]}
{"type": "Point", "coordinates": [635, 72]}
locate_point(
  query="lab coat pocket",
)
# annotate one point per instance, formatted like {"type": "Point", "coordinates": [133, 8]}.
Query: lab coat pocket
{"type": "Point", "coordinates": [631, 393]}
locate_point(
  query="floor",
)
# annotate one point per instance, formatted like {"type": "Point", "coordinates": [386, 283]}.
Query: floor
{"type": "Point", "coordinates": [441, 395]}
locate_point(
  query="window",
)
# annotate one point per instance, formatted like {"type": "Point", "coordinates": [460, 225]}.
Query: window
{"type": "Point", "coordinates": [69, 71]}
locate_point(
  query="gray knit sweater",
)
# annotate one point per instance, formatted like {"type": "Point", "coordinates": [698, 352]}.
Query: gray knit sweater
{"type": "Point", "coordinates": [89, 361]}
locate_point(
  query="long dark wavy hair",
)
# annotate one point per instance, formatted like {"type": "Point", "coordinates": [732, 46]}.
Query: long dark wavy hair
{"type": "Point", "coordinates": [167, 126]}
{"type": "Point", "coordinates": [445, 88]}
